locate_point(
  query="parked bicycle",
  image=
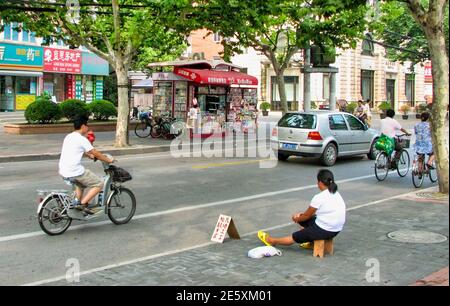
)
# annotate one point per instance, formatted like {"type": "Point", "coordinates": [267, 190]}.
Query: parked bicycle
{"type": "Point", "coordinates": [144, 128]}
{"type": "Point", "coordinates": [167, 127]}
{"type": "Point", "coordinates": [56, 211]}
{"type": "Point", "coordinates": [420, 169]}
{"type": "Point", "coordinates": [384, 164]}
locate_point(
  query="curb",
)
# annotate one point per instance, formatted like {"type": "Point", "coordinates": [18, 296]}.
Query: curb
{"type": "Point", "coordinates": [55, 156]}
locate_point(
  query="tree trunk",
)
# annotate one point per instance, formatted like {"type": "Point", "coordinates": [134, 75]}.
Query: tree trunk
{"type": "Point", "coordinates": [282, 90]}
{"type": "Point", "coordinates": [439, 59]}
{"type": "Point", "coordinates": [123, 109]}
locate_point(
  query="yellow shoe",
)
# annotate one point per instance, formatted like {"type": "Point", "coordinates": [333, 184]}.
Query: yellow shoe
{"type": "Point", "coordinates": [262, 236]}
{"type": "Point", "coordinates": [307, 245]}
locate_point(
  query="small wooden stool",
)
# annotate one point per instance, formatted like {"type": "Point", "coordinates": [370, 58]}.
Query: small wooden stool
{"type": "Point", "coordinates": [322, 247]}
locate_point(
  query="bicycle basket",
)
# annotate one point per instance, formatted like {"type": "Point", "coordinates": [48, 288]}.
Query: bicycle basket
{"type": "Point", "coordinates": [119, 175]}
{"type": "Point", "coordinates": [405, 143]}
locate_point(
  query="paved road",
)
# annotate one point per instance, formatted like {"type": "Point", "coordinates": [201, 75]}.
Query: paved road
{"type": "Point", "coordinates": [179, 201]}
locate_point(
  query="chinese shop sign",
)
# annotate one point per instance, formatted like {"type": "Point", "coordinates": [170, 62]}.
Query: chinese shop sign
{"type": "Point", "coordinates": [62, 60]}
{"type": "Point", "coordinates": [225, 225]}
{"type": "Point", "coordinates": [19, 57]}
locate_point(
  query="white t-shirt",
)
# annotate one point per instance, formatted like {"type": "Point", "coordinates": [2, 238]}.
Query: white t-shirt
{"type": "Point", "coordinates": [330, 214]}
{"type": "Point", "coordinates": [74, 146]}
{"type": "Point", "coordinates": [390, 126]}
{"type": "Point", "coordinates": [367, 110]}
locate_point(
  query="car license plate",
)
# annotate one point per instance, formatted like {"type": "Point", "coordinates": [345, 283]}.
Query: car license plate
{"type": "Point", "coordinates": [289, 146]}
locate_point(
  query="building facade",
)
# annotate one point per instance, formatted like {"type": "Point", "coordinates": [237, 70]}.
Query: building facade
{"type": "Point", "coordinates": [364, 73]}
{"type": "Point", "coordinates": [27, 69]}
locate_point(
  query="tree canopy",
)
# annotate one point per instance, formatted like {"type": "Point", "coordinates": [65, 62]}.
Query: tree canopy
{"type": "Point", "coordinates": [281, 28]}
{"type": "Point", "coordinates": [396, 27]}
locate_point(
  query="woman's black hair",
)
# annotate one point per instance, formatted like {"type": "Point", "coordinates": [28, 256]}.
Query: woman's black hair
{"type": "Point", "coordinates": [326, 177]}
{"type": "Point", "coordinates": [424, 116]}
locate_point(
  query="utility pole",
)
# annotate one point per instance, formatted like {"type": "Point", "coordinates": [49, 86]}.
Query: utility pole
{"type": "Point", "coordinates": [307, 81]}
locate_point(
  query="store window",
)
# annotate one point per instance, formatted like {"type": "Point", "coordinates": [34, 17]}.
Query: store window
{"type": "Point", "coordinates": [25, 85]}
{"type": "Point", "coordinates": [367, 86]}
{"type": "Point", "coordinates": [25, 36]}
{"type": "Point", "coordinates": [217, 38]}
{"type": "Point", "coordinates": [181, 100]}
{"type": "Point", "coordinates": [7, 31]}
{"type": "Point", "coordinates": [367, 46]}
{"type": "Point", "coordinates": [162, 98]}
{"type": "Point", "coordinates": [32, 37]}
{"type": "Point", "coordinates": [15, 33]}
{"type": "Point", "coordinates": [409, 88]}
{"type": "Point", "coordinates": [292, 92]}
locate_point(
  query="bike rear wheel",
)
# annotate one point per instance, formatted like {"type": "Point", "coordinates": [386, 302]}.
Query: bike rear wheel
{"type": "Point", "coordinates": [417, 174]}
{"type": "Point", "coordinates": [53, 218]}
{"type": "Point", "coordinates": [403, 163]}
{"type": "Point", "coordinates": [382, 165]}
{"type": "Point", "coordinates": [142, 129]}
{"type": "Point", "coordinates": [432, 173]}
{"type": "Point", "coordinates": [121, 206]}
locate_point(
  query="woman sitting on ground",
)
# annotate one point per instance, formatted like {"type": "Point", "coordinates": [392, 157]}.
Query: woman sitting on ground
{"type": "Point", "coordinates": [324, 218]}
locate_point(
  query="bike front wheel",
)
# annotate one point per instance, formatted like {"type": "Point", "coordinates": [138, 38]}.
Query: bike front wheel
{"type": "Point", "coordinates": [53, 218]}
{"type": "Point", "coordinates": [403, 163]}
{"type": "Point", "coordinates": [143, 129]}
{"type": "Point", "coordinates": [121, 206]}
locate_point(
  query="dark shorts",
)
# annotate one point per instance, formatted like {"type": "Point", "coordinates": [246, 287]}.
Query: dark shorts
{"type": "Point", "coordinates": [312, 232]}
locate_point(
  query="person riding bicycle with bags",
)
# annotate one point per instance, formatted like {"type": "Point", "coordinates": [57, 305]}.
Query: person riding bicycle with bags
{"type": "Point", "coordinates": [424, 144]}
{"type": "Point", "coordinates": [75, 145]}
{"type": "Point", "coordinates": [389, 128]}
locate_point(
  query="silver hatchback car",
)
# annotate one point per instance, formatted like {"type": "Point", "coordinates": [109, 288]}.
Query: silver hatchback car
{"type": "Point", "coordinates": [324, 134]}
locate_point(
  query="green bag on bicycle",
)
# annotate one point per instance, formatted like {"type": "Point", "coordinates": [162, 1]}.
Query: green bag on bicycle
{"type": "Point", "coordinates": [386, 144]}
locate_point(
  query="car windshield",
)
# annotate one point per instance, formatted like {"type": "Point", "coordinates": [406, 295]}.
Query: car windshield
{"type": "Point", "coordinates": [299, 121]}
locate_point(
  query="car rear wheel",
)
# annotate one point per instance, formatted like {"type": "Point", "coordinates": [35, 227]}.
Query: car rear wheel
{"type": "Point", "coordinates": [282, 156]}
{"type": "Point", "coordinates": [329, 155]}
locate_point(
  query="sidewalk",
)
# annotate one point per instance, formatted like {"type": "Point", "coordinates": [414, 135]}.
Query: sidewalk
{"type": "Point", "coordinates": [48, 146]}
{"type": "Point", "coordinates": [359, 250]}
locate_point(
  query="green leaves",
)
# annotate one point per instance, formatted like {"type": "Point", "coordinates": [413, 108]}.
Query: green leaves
{"type": "Point", "coordinates": [396, 27]}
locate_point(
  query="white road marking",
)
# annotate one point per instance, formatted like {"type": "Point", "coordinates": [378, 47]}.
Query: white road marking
{"type": "Point", "coordinates": [172, 252]}
{"type": "Point", "coordinates": [183, 209]}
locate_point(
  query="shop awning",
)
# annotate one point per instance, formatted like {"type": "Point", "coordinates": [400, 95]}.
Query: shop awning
{"type": "Point", "coordinates": [21, 73]}
{"type": "Point", "coordinates": [212, 77]}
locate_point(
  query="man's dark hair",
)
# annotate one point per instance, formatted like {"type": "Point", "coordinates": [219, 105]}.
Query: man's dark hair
{"type": "Point", "coordinates": [79, 121]}
{"type": "Point", "coordinates": [424, 116]}
{"type": "Point", "coordinates": [390, 113]}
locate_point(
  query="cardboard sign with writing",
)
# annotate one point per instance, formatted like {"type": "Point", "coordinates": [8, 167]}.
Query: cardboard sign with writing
{"type": "Point", "coordinates": [225, 225]}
